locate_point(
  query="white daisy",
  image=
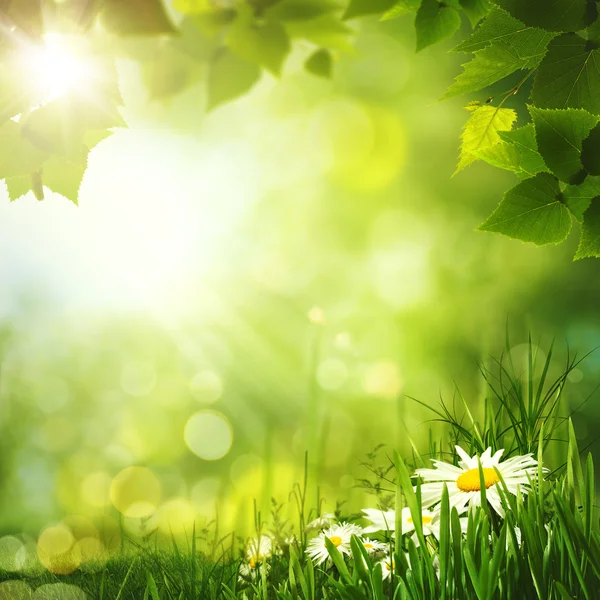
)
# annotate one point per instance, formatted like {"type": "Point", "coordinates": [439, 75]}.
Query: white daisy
{"type": "Point", "coordinates": [464, 484]}
{"type": "Point", "coordinates": [257, 549]}
{"type": "Point", "coordinates": [429, 519]}
{"type": "Point", "coordinates": [324, 521]}
{"type": "Point", "coordinates": [339, 535]}
{"type": "Point", "coordinates": [380, 520]}
{"type": "Point", "coordinates": [374, 547]}
{"type": "Point", "coordinates": [387, 566]}
{"type": "Point", "coordinates": [250, 570]}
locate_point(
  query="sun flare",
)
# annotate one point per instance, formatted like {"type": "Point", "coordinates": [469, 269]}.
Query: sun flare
{"type": "Point", "coordinates": [55, 68]}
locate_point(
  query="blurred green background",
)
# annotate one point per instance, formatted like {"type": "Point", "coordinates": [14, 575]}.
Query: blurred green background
{"type": "Point", "coordinates": [274, 277]}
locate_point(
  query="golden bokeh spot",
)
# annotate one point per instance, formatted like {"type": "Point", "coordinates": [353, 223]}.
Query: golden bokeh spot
{"type": "Point", "coordinates": [469, 481]}
{"type": "Point", "coordinates": [336, 540]}
{"type": "Point", "coordinates": [80, 526]}
{"type": "Point", "coordinates": [92, 552]}
{"type": "Point", "coordinates": [15, 590]}
{"type": "Point", "coordinates": [95, 489]}
{"type": "Point", "coordinates": [208, 434]}
{"type": "Point", "coordinates": [383, 379]}
{"type": "Point", "coordinates": [57, 550]}
{"type": "Point", "coordinates": [135, 491]}
{"type": "Point", "coordinates": [12, 553]}
{"type": "Point", "coordinates": [176, 517]}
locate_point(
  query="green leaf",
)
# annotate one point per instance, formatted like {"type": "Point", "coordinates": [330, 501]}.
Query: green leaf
{"type": "Point", "coordinates": [525, 144]}
{"type": "Point", "coordinates": [553, 15]}
{"type": "Point", "coordinates": [482, 131]}
{"type": "Point", "coordinates": [170, 71]}
{"type": "Point", "coordinates": [152, 586]}
{"type": "Point", "coordinates": [517, 152]}
{"type": "Point", "coordinates": [320, 63]}
{"type": "Point", "coordinates": [229, 77]}
{"type": "Point", "coordinates": [18, 186]}
{"type": "Point", "coordinates": [498, 26]}
{"type": "Point", "coordinates": [18, 156]}
{"type": "Point", "coordinates": [326, 31]}
{"type": "Point", "coordinates": [569, 75]}
{"type": "Point", "coordinates": [63, 177]}
{"type": "Point", "coordinates": [520, 50]}
{"type": "Point", "coordinates": [532, 211]}
{"type": "Point", "coordinates": [475, 9]}
{"type": "Point", "coordinates": [60, 126]}
{"type": "Point", "coordinates": [590, 151]}
{"type": "Point", "coordinates": [435, 22]}
{"type": "Point", "coordinates": [300, 10]}
{"type": "Point", "coordinates": [401, 8]}
{"type": "Point", "coordinates": [136, 17]}
{"type": "Point", "coordinates": [589, 244]}
{"type": "Point", "coordinates": [359, 8]}
{"type": "Point", "coordinates": [265, 43]}
{"type": "Point", "coordinates": [579, 197]}
{"type": "Point", "coordinates": [560, 134]}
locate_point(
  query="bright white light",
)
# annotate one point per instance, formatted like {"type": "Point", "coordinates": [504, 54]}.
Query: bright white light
{"type": "Point", "coordinates": [55, 68]}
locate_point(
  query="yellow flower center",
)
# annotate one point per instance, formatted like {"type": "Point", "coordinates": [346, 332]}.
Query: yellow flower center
{"type": "Point", "coordinates": [255, 560]}
{"type": "Point", "coordinates": [388, 566]}
{"type": "Point", "coordinates": [469, 480]}
{"type": "Point", "coordinates": [368, 545]}
{"type": "Point", "coordinates": [425, 520]}
{"type": "Point", "coordinates": [336, 540]}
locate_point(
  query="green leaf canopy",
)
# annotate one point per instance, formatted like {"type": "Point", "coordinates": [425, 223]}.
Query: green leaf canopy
{"type": "Point", "coordinates": [532, 211]}
{"type": "Point", "coordinates": [553, 15]}
{"type": "Point", "coordinates": [560, 134]}
{"type": "Point", "coordinates": [569, 75]}
{"type": "Point", "coordinates": [589, 244]}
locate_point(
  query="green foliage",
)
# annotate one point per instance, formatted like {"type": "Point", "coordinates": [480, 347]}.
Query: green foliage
{"type": "Point", "coordinates": [560, 134]}
{"type": "Point", "coordinates": [517, 152]}
{"type": "Point", "coordinates": [548, 541]}
{"type": "Point", "coordinates": [504, 47]}
{"type": "Point", "coordinates": [590, 151]}
{"type": "Point", "coordinates": [579, 197]}
{"type": "Point", "coordinates": [589, 244]}
{"type": "Point", "coordinates": [320, 63]}
{"type": "Point", "coordinates": [532, 211]}
{"type": "Point", "coordinates": [482, 131]}
{"type": "Point", "coordinates": [569, 76]}
{"type": "Point", "coordinates": [560, 15]}
{"type": "Point", "coordinates": [549, 51]}
{"type": "Point", "coordinates": [436, 21]}
{"type": "Point", "coordinates": [359, 8]}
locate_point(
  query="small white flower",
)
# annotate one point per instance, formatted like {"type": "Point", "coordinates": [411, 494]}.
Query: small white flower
{"type": "Point", "coordinates": [380, 520]}
{"type": "Point", "coordinates": [323, 522]}
{"type": "Point", "coordinates": [251, 570]}
{"type": "Point", "coordinates": [257, 549]}
{"type": "Point", "coordinates": [373, 546]}
{"type": "Point", "coordinates": [463, 482]}
{"type": "Point", "coordinates": [339, 535]}
{"type": "Point", "coordinates": [387, 567]}
{"type": "Point", "coordinates": [388, 564]}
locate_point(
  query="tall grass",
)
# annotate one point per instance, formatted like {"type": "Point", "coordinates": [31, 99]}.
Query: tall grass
{"type": "Point", "coordinates": [546, 547]}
